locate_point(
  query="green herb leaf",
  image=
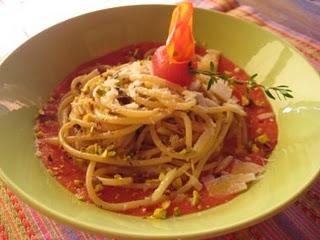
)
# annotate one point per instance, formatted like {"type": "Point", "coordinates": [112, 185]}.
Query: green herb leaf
{"type": "Point", "coordinates": [211, 80]}
{"type": "Point", "coordinates": [288, 95]}
{"type": "Point", "coordinates": [269, 94]}
{"type": "Point", "coordinates": [224, 77]}
{"type": "Point", "coordinates": [277, 93]}
{"type": "Point", "coordinates": [283, 91]}
{"type": "Point", "coordinates": [192, 71]}
{"type": "Point", "coordinates": [212, 68]}
{"type": "Point", "coordinates": [251, 83]}
{"type": "Point", "coordinates": [252, 77]}
{"type": "Point", "coordinates": [101, 92]}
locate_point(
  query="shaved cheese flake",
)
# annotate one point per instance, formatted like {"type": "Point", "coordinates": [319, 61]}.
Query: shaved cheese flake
{"type": "Point", "coordinates": [110, 83]}
{"type": "Point", "coordinates": [246, 167]}
{"type": "Point", "coordinates": [132, 88]}
{"type": "Point", "coordinates": [109, 97]}
{"type": "Point", "coordinates": [266, 115]}
{"type": "Point", "coordinates": [189, 95]}
{"type": "Point", "coordinates": [241, 177]}
{"type": "Point", "coordinates": [132, 105]}
{"type": "Point", "coordinates": [221, 89]}
{"type": "Point", "coordinates": [195, 85]}
{"type": "Point", "coordinates": [205, 102]}
{"type": "Point", "coordinates": [211, 56]}
{"type": "Point", "coordinates": [229, 184]}
{"type": "Point", "coordinates": [223, 164]}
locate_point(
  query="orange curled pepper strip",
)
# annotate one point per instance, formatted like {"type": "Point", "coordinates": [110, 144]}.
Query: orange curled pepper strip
{"type": "Point", "coordinates": [180, 43]}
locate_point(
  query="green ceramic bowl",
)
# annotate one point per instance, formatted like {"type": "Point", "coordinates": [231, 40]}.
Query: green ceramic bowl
{"type": "Point", "coordinates": [29, 74]}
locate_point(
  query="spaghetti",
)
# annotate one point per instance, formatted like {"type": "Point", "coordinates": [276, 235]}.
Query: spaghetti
{"type": "Point", "coordinates": [125, 121]}
{"type": "Point", "coordinates": [148, 127]}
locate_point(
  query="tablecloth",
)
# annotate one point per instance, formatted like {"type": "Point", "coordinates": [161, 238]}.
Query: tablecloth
{"type": "Point", "coordinates": [300, 220]}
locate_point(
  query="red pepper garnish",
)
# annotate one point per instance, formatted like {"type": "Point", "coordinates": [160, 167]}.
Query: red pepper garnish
{"type": "Point", "coordinates": [171, 61]}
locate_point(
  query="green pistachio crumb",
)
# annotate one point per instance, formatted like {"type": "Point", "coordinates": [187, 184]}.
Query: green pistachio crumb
{"type": "Point", "coordinates": [176, 212]}
{"type": "Point", "coordinates": [166, 204]}
{"type": "Point", "coordinates": [159, 213]}
{"type": "Point", "coordinates": [98, 188]}
{"type": "Point", "coordinates": [263, 138]}
{"type": "Point", "coordinates": [112, 153]}
{"type": "Point", "coordinates": [195, 198]}
{"type": "Point", "coordinates": [80, 196]}
{"type": "Point", "coordinates": [76, 182]}
{"type": "Point", "coordinates": [254, 148]}
{"type": "Point", "coordinates": [101, 92]}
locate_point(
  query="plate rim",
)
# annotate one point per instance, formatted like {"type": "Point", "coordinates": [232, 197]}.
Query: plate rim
{"type": "Point", "coordinates": [34, 203]}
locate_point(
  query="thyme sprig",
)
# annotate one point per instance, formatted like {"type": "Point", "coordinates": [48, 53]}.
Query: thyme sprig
{"type": "Point", "coordinates": [281, 91]}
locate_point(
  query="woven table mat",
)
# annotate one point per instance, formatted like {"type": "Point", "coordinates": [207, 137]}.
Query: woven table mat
{"type": "Point", "coordinates": [300, 220]}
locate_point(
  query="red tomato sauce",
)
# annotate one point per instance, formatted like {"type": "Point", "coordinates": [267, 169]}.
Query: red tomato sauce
{"type": "Point", "coordinates": [72, 175]}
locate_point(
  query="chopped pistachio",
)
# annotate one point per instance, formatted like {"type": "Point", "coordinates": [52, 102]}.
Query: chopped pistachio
{"type": "Point", "coordinates": [98, 187]}
{"type": "Point", "coordinates": [259, 130]}
{"type": "Point", "coordinates": [80, 196]}
{"type": "Point", "coordinates": [177, 183]}
{"type": "Point", "coordinates": [159, 213]}
{"type": "Point", "coordinates": [99, 150]}
{"type": "Point", "coordinates": [166, 204]}
{"type": "Point", "coordinates": [244, 101]}
{"type": "Point", "coordinates": [111, 153]}
{"type": "Point", "coordinates": [236, 70]}
{"type": "Point", "coordinates": [105, 153]}
{"type": "Point", "coordinates": [94, 148]}
{"type": "Point", "coordinates": [259, 103]}
{"type": "Point", "coordinates": [90, 148]}
{"type": "Point", "coordinates": [50, 172]}
{"type": "Point", "coordinates": [263, 138]}
{"type": "Point", "coordinates": [101, 92]}
{"type": "Point", "coordinates": [183, 151]}
{"type": "Point", "coordinates": [39, 133]}
{"type": "Point", "coordinates": [110, 147]}
{"type": "Point", "coordinates": [176, 212]}
{"type": "Point", "coordinates": [254, 148]}
{"type": "Point", "coordinates": [195, 198]}
{"type": "Point", "coordinates": [85, 90]}
{"type": "Point", "coordinates": [41, 111]}
{"type": "Point", "coordinates": [127, 157]}
{"type": "Point", "coordinates": [117, 176]}
{"type": "Point", "coordinates": [76, 182]}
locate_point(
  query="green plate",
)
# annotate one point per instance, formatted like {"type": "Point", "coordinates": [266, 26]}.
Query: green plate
{"type": "Point", "coordinates": [30, 73]}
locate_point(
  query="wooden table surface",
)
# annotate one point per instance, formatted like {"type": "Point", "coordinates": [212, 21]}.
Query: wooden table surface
{"type": "Point", "coordinates": [300, 15]}
{"type": "Point", "coordinates": [21, 19]}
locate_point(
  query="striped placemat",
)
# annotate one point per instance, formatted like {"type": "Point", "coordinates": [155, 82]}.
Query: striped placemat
{"type": "Point", "coordinates": [299, 221]}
